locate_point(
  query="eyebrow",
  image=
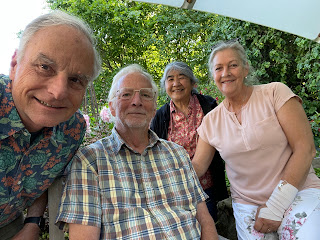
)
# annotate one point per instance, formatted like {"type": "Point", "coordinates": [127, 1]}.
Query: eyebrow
{"type": "Point", "coordinates": [83, 77]}
{"type": "Point", "coordinates": [43, 57]}
{"type": "Point", "coordinates": [180, 74]}
{"type": "Point", "coordinates": [47, 60]}
{"type": "Point", "coordinates": [234, 60]}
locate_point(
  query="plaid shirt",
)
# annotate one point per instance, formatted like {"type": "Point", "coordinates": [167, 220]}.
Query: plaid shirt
{"type": "Point", "coordinates": [27, 169]}
{"type": "Point", "coordinates": [153, 195]}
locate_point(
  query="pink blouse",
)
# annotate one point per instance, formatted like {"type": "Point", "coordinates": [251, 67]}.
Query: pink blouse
{"type": "Point", "coordinates": [183, 131]}
{"type": "Point", "coordinates": [256, 151]}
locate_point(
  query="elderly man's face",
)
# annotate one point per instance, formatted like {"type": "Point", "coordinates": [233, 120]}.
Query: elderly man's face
{"type": "Point", "coordinates": [49, 82]}
{"type": "Point", "coordinates": [135, 112]}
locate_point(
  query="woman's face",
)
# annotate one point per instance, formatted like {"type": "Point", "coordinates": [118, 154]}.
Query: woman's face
{"type": "Point", "coordinates": [229, 72]}
{"type": "Point", "coordinates": [178, 86]}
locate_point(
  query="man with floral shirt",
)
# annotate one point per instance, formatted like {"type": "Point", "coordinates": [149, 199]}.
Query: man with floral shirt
{"type": "Point", "coordinates": [40, 128]}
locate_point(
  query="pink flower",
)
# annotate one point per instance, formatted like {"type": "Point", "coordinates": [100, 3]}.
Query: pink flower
{"type": "Point", "coordinates": [287, 234]}
{"type": "Point", "coordinates": [105, 114]}
{"type": "Point", "coordinates": [87, 118]}
{"type": "Point", "coordinates": [301, 221]}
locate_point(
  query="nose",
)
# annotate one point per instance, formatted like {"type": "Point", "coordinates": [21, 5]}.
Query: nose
{"type": "Point", "coordinates": [58, 86]}
{"type": "Point", "coordinates": [176, 82]}
{"type": "Point", "coordinates": [225, 72]}
{"type": "Point", "coordinates": [136, 99]}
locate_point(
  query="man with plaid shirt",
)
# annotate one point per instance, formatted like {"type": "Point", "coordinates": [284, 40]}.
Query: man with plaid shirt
{"type": "Point", "coordinates": [133, 185]}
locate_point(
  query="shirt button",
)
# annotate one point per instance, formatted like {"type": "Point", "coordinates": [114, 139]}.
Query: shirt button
{"type": "Point", "coordinates": [25, 133]}
{"type": "Point", "coordinates": [19, 182]}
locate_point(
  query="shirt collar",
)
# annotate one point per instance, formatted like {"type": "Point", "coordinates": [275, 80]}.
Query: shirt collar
{"type": "Point", "coordinates": [10, 121]}
{"type": "Point", "coordinates": [190, 106]}
{"type": "Point", "coordinates": [119, 142]}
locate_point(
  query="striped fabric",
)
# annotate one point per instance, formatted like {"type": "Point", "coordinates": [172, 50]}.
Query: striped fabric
{"type": "Point", "coordinates": [129, 195]}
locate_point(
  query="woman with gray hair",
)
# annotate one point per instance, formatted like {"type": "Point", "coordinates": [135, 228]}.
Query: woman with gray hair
{"type": "Point", "coordinates": [178, 120]}
{"type": "Point", "coordinates": [264, 136]}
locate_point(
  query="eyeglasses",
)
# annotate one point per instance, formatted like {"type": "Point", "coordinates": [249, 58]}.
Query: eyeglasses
{"type": "Point", "coordinates": [146, 94]}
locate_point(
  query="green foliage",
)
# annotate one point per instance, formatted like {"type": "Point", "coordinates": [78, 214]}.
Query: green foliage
{"type": "Point", "coordinates": [154, 35]}
{"type": "Point", "coordinates": [315, 126]}
{"type": "Point", "coordinates": [98, 129]}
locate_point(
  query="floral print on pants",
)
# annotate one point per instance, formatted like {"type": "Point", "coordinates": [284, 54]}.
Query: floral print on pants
{"type": "Point", "coordinates": [300, 220]}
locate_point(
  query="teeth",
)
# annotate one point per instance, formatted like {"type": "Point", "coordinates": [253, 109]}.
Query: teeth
{"type": "Point", "coordinates": [45, 104]}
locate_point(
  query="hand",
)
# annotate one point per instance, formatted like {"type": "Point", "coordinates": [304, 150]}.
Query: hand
{"type": "Point", "coordinates": [30, 231]}
{"type": "Point", "coordinates": [264, 225]}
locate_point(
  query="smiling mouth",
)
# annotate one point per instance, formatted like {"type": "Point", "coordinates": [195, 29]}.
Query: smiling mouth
{"type": "Point", "coordinates": [45, 104]}
{"type": "Point", "coordinates": [137, 113]}
{"type": "Point", "coordinates": [228, 81]}
{"type": "Point", "coordinates": [178, 90]}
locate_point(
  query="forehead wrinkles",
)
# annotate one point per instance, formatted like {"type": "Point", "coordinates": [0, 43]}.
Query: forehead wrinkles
{"type": "Point", "coordinates": [134, 80]}
{"type": "Point", "coordinates": [66, 46]}
{"type": "Point", "coordinates": [227, 55]}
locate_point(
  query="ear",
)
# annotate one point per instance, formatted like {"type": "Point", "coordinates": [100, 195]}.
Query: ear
{"type": "Point", "coordinates": [112, 110]}
{"type": "Point", "coordinates": [13, 66]}
{"type": "Point", "coordinates": [247, 68]}
{"type": "Point", "coordinates": [154, 110]}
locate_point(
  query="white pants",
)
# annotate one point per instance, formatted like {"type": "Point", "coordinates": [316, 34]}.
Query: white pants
{"type": "Point", "coordinates": [301, 220]}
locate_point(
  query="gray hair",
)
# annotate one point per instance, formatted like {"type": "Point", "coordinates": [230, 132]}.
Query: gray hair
{"type": "Point", "coordinates": [239, 49]}
{"type": "Point", "coordinates": [133, 68]}
{"type": "Point", "coordinates": [55, 18]}
{"type": "Point", "coordinates": [183, 68]}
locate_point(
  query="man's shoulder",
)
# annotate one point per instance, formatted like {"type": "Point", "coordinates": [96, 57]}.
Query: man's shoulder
{"type": "Point", "coordinates": [4, 77]}
{"type": "Point", "coordinates": [76, 120]}
{"type": "Point", "coordinates": [101, 146]}
{"type": "Point", "coordinates": [72, 130]}
{"type": "Point", "coordinates": [4, 85]}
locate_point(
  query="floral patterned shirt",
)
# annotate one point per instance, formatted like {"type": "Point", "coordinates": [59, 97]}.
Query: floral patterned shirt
{"type": "Point", "coordinates": [183, 131]}
{"type": "Point", "coordinates": [27, 169]}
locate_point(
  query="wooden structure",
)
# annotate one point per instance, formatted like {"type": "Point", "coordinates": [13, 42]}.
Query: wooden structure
{"type": "Point", "coordinates": [54, 196]}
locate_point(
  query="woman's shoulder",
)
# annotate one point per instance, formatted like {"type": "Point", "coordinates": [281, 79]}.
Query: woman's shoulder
{"type": "Point", "coordinates": [277, 93]}
{"type": "Point", "coordinates": [273, 86]}
{"type": "Point", "coordinates": [163, 109]}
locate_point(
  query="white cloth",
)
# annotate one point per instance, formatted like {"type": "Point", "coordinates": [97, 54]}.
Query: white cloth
{"type": "Point", "coordinates": [301, 220]}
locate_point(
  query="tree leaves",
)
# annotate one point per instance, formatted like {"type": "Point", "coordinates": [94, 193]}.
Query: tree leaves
{"type": "Point", "coordinates": [154, 35]}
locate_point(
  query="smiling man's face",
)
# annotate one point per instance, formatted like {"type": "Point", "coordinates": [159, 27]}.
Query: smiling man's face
{"type": "Point", "coordinates": [135, 113]}
{"type": "Point", "coordinates": [49, 82]}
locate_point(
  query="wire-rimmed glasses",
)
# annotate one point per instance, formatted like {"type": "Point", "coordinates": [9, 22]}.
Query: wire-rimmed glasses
{"type": "Point", "coordinates": [146, 94]}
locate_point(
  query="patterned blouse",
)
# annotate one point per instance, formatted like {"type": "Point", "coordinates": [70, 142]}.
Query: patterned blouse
{"type": "Point", "coordinates": [27, 169]}
{"type": "Point", "coordinates": [183, 131]}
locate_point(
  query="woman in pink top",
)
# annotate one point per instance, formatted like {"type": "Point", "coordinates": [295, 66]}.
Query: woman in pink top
{"type": "Point", "coordinates": [264, 136]}
{"type": "Point", "coordinates": [178, 120]}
